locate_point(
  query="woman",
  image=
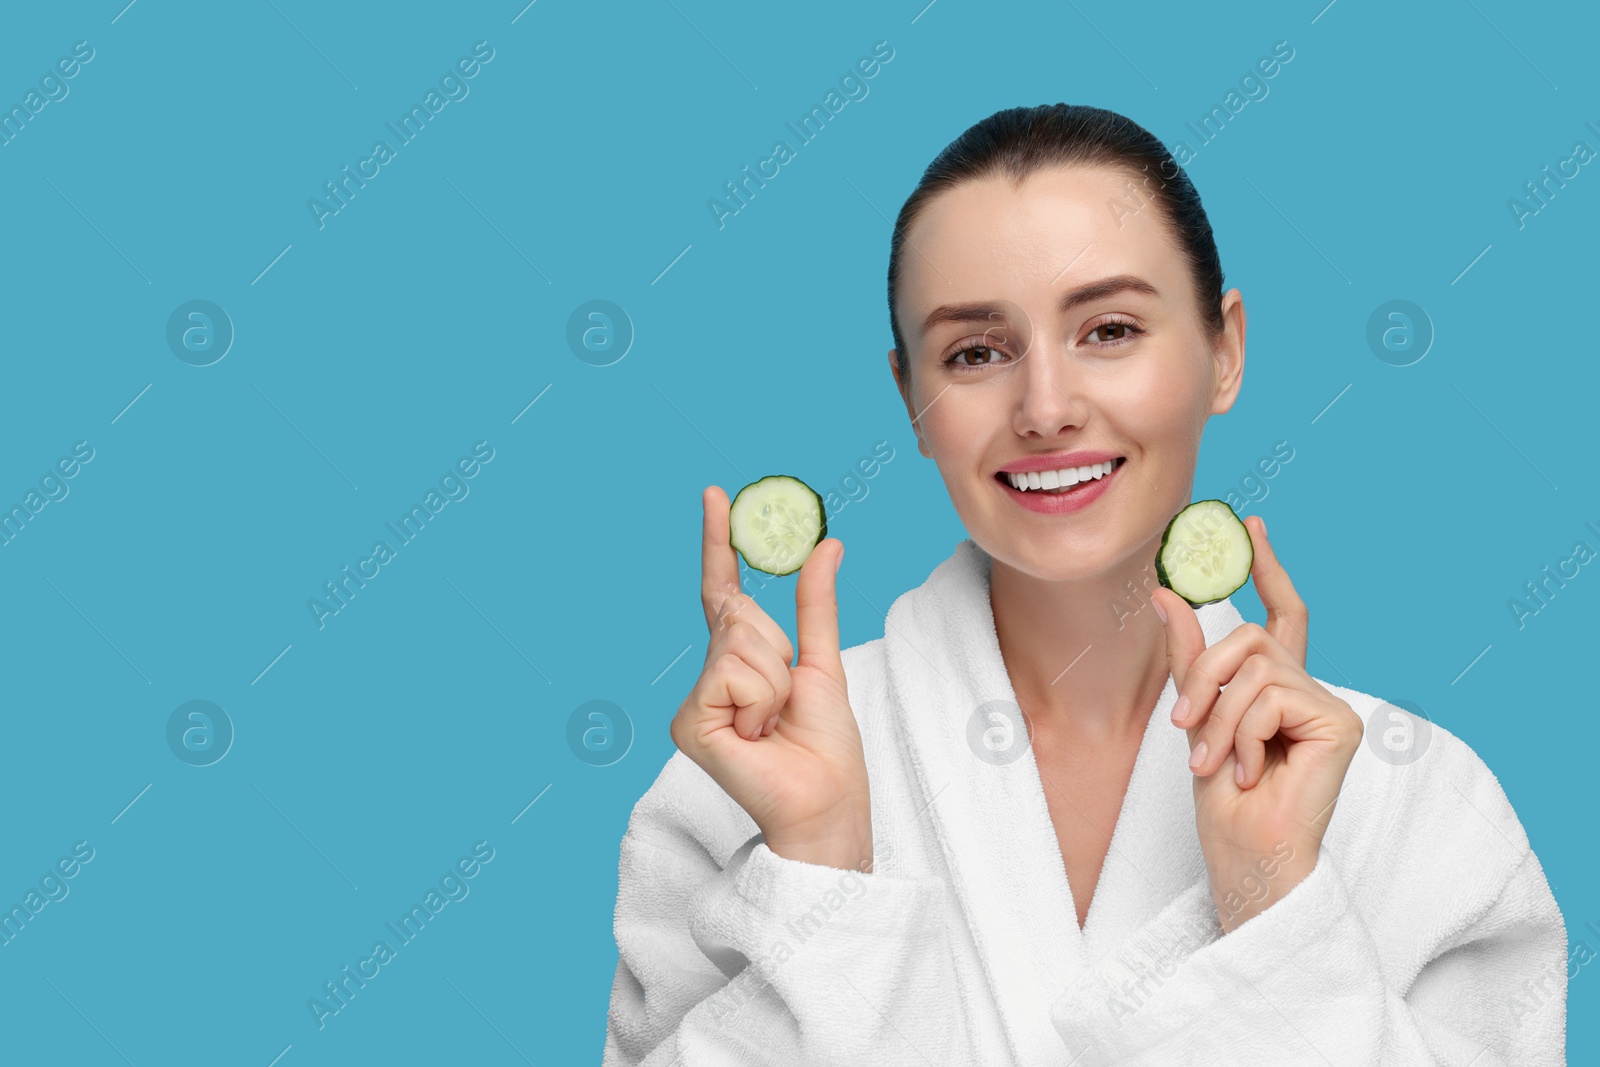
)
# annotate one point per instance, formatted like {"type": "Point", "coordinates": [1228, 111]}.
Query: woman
{"type": "Point", "coordinates": [875, 856]}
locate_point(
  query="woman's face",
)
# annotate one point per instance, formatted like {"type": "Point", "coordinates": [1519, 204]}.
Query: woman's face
{"type": "Point", "coordinates": [1042, 367]}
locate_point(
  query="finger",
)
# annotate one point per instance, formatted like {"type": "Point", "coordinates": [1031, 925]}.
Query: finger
{"type": "Point", "coordinates": [744, 641]}
{"type": "Point", "coordinates": [817, 609]}
{"type": "Point", "coordinates": [1287, 617]}
{"type": "Point", "coordinates": [1222, 724]}
{"type": "Point", "coordinates": [1213, 668]}
{"type": "Point", "coordinates": [736, 695]}
{"type": "Point", "coordinates": [1185, 638]}
{"type": "Point", "coordinates": [719, 564]}
{"type": "Point", "coordinates": [742, 607]}
{"type": "Point", "coordinates": [1259, 725]}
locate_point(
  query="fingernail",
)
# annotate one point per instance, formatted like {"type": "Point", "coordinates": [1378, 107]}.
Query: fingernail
{"type": "Point", "coordinates": [1263, 526]}
{"type": "Point", "coordinates": [1198, 756]}
{"type": "Point", "coordinates": [770, 724]}
{"type": "Point", "coordinates": [1238, 773]}
{"type": "Point", "coordinates": [1180, 709]}
{"type": "Point", "coordinates": [1159, 613]}
{"type": "Point", "coordinates": [840, 561]}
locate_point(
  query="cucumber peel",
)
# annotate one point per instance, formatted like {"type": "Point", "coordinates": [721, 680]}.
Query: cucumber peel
{"type": "Point", "coordinates": [1206, 553]}
{"type": "Point", "coordinates": [775, 522]}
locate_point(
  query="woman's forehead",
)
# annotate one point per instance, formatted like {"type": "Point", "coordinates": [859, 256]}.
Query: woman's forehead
{"type": "Point", "coordinates": [1058, 229]}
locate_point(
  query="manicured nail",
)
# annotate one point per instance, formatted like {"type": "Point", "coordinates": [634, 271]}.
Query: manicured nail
{"type": "Point", "coordinates": [1180, 709]}
{"type": "Point", "coordinates": [770, 724]}
{"type": "Point", "coordinates": [1159, 613]}
{"type": "Point", "coordinates": [1198, 756]}
{"type": "Point", "coordinates": [1238, 773]}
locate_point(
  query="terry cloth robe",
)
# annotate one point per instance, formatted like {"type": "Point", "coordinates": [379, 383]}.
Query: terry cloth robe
{"type": "Point", "coordinates": [1425, 934]}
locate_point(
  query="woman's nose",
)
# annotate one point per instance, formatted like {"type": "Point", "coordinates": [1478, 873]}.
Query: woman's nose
{"type": "Point", "coordinates": [1048, 399]}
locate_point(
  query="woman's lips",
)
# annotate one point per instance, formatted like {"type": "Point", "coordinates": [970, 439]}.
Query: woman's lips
{"type": "Point", "coordinates": [1076, 498]}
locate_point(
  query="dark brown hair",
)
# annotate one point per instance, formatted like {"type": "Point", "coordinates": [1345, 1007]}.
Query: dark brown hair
{"type": "Point", "coordinates": [1019, 140]}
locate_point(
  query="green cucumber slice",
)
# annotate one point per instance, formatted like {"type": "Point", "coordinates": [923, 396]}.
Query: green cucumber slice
{"type": "Point", "coordinates": [775, 522]}
{"type": "Point", "coordinates": [1205, 553]}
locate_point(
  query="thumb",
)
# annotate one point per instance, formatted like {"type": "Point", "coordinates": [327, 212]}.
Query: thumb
{"type": "Point", "coordinates": [1185, 637]}
{"type": "Point", "coordinates": [817, 609]}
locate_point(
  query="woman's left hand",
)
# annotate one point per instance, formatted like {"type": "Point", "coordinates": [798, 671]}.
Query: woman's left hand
{"type": "Point", "coordinates": [1269, 753]}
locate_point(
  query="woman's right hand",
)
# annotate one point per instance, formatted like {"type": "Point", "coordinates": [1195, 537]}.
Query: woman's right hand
{"type": "Point", "coordinates": [782, 741]}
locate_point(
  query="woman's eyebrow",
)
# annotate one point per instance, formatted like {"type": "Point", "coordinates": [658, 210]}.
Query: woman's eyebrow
{"type": "Point", "coordinates": [985, 311]}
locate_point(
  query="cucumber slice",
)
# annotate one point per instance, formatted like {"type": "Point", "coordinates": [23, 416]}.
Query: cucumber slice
{"type": "Point", "coordinates": [1205, 553]}
{"type": "Point", "coordinates": [775, 522]}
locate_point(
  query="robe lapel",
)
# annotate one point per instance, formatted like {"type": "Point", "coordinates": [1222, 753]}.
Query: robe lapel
{"type": "Point", "coordinates": [989, 816]}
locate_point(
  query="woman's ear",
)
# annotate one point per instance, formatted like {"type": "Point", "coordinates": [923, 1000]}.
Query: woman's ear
{"type": "Point", "coordinates": [1227, 353]}
{"type": "Point", "coordinates": [905, 396]}
{"type": "Point", "coordinates": [894, 370]}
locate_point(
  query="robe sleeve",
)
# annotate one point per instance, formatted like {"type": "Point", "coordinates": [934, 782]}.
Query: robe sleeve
{"type": "Point", "coordinates": [1302, 982]}
{"type": "Point", "coordinates": [768, 960]}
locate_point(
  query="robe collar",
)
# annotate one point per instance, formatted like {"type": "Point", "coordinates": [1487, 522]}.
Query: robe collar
{"type": "Point", "coordinates": [980, 790]}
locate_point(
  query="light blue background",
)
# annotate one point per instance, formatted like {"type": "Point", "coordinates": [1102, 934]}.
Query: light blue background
{"type": "Point", "coordinates": [433, 309]}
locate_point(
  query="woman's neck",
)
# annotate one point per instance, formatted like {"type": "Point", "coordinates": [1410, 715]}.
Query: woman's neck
{"type": "Point", "coordinates": [1087, 657]}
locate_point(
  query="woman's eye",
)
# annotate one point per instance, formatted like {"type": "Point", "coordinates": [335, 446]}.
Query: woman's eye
{"type": "Point", "coordinates": [1128, 332]}
{"type": "Point", "coordinates": [979, 357]}
{"type": "Point", "coordinates": [975, 357]}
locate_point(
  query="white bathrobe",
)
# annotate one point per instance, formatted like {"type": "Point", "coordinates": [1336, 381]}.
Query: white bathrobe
{"type": "Point", "coordinates": [1425, 934]}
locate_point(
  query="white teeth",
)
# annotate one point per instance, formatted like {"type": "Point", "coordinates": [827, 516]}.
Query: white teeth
{"type": "Point", "coordinates": [1056, 478]}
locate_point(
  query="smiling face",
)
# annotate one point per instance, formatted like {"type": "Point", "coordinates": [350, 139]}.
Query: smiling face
{"type": "Point", "coordinates": [1045, 358]}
